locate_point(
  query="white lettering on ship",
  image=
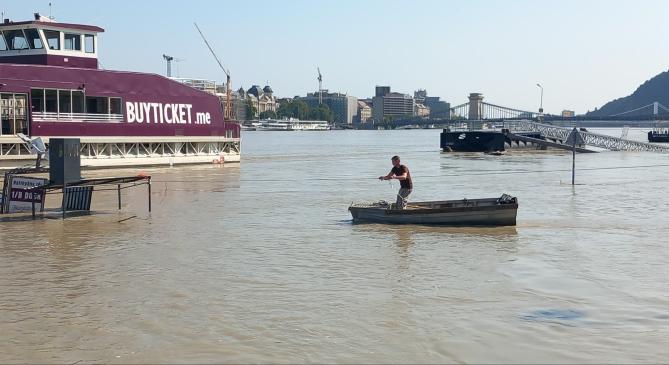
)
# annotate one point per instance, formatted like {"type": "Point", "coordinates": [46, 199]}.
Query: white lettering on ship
{"type": "Point", "coordinates": [158, 113]}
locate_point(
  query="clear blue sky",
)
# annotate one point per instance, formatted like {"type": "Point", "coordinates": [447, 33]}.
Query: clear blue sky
{"type": "Point", "coordinates": [584, 53]}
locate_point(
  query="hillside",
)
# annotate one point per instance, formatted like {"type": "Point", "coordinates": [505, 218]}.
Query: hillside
{"type": "Point", "coordinates": [655, 89]}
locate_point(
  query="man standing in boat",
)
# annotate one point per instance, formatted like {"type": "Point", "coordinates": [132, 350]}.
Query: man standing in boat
{"type": "Point", "coordinates": [401, 173]}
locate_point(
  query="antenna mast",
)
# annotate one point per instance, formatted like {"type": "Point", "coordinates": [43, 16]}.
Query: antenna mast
{"type": "Point", "coordinates": [320, 86]}
{"type": "Point", "coordinates": [177, 60]}
{"type": "Point", "coordinates": [228, 89]}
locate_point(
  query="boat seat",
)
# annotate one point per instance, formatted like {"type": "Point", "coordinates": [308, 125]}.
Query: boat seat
{"type": "Point", "coordinates": [506, 199]}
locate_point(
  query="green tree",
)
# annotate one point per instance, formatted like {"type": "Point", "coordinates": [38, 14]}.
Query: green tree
{"type": "Point", "coordinates": [301, 110]}
{"type": "Point", "coordinates": [285, 110]}
{"type": "Point", "coordinates": [251, 110]}
{"type": "Point", "coordinates": [295, 109]}
{"type": "Point", "coordinates": [268, 114]}
{"type": "Point", "coordinates": [321, 112]}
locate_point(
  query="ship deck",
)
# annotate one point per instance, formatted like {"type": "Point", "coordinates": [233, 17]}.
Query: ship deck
{"type": "Point", "coordinates": [133, 150]}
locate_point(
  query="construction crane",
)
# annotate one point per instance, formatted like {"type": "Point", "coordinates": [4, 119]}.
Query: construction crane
{"type": "Point", "coordinates": [320, 86]}
{"type": "Point", "coordinates": [169, 60]}
{"type": "Point", "coordinates": [228, 90]}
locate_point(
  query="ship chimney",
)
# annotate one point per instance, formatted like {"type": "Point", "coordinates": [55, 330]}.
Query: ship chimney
{"type": "Point", "coordinates": [41, 18]}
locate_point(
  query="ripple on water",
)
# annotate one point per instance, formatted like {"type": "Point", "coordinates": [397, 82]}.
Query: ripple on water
{"type": "Point", "coordinates": [259, 262]}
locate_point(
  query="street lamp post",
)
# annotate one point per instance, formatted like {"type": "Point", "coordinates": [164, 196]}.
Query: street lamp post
{"type": "Point", "coordinates": [541, 102]}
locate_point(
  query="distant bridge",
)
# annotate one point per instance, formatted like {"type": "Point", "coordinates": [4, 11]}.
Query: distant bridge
{"type": "Point", "coordinates": [477, 109]}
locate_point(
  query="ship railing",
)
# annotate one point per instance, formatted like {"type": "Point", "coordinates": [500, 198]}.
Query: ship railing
{"type": "Point", "coordinates": [75, 117]}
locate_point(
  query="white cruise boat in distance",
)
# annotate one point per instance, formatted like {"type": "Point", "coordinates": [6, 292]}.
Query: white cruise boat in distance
{"type": "Point", "coordinates": [291, 125]}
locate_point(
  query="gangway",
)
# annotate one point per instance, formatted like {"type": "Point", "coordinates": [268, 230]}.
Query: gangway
{"type": "Point", "coordinates": [544, 143]}
{"type": "Point", "coordinates": [560, 134]}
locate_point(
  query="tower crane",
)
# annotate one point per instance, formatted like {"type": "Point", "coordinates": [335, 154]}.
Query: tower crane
{"type": "Point", "coordinates": [228, 90]}
{"type": "Point", "coordinates": [169, 60]}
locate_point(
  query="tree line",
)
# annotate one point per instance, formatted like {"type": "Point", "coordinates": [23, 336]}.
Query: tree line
{"type": "Point", "coordinates": [297, 109]}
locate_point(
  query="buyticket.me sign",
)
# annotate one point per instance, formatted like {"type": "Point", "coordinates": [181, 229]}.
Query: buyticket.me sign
{"type": "Point", "coordinates": [159, 113]}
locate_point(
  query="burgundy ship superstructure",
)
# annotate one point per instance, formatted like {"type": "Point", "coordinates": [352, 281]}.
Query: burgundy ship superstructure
{"type": "Point", "coordinates": [51, 86]}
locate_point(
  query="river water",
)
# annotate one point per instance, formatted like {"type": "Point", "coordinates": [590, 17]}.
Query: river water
{"type": "Point", "coordinates": [259, 261]}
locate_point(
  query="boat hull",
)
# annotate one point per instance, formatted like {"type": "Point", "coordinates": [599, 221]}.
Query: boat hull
{"type": "Point", "coordinates": [476, 212]}
{"type": "Point", "coordinates": [658, 137]}
{"type": "Point", "coordinates": [475, 141]}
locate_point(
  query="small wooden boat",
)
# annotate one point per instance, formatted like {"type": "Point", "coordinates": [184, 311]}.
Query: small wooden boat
{"type": "Point", "coordinates": [465, 212]}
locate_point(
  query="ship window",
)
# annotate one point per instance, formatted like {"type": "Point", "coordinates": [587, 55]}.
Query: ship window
{"type": "Point", "coordinates": [37, 100]}
{"type": "Point", "coordinates": [6, 119]}
{"type": "Point", "coordinates": [97, 105]}
{"type": "Point", "coordinates": [89, 43]}
{"type": "Point", "coordinates": [3, 44]}
{"type": "Point", "coordinates": [34, 40]}
{"type": "Point", "coordinates": [64, 101]}
{"type": "Point", "coordinates": [16, 39]}
{"type": "Point", "coordinates": [13, 114]}
{"type": "Point", "coordinates": [52, 39]}
{"type": "Point", "coordinates": [115, 106]}
{"type": "Point", "coordinates": [73, 41]}
{"type": "Point", "coordinates": [78, 101]}
{"type": "Point", "coordinates": [51, 101]}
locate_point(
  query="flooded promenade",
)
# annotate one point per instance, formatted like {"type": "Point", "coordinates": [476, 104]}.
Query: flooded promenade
{"type": "Point", "coordinates": [259, 262]}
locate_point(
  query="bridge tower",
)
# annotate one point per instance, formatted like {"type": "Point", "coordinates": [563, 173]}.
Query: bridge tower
{"type": "Point", "coordinates": [475, 106]}
{"type": "Point", "coordinates": [655, 108]}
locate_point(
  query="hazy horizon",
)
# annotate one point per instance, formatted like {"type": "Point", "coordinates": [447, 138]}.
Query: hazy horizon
{"type": "Point", "coordinates": [584, 54]}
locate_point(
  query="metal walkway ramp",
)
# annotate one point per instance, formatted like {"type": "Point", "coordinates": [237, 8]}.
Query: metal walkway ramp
{"type": "Point", "coordinates": [544, 143]}
{"type": "Point", "coordinates": [591, 139]}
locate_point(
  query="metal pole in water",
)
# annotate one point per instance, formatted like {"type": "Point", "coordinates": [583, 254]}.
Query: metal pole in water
{"type": "Point", "coordinates": [149, 184]}
{"type": "Point", "coordinates": [573, 162]}
{"type": "Point", "coordinates": [4, 193]}
{"type": "Point", "coordinates": [62, 202]}
{"type": "Point", "coordinates": [33, 202]}
{"type": "Point", "coordinates": [573, 139]}
{"type": "Point", "coordinates": [119, 196]}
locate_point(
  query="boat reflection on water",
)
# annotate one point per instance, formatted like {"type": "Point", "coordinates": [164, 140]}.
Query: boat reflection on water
{"type": "Point", "coordinates": [407, 231]}
{"type": "Point", "coordinates": [420, 250]}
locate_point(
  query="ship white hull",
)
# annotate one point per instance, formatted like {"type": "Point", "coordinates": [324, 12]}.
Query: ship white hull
{"type": "Point", "coordinates": [133, 151]}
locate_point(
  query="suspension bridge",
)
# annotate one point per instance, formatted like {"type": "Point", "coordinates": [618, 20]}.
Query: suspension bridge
{"type": "Point", "coordinates": [517, 123]}
{"type": "Point", "coordinates": [655, 109]}
{"type": "Point", "coordinates": [477, 109]}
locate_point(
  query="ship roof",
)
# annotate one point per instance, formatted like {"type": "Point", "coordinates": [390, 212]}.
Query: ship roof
{"type": "Point", "coordinates": [83, 27]}
{"type": "Point", "coordinates": [96, 80]}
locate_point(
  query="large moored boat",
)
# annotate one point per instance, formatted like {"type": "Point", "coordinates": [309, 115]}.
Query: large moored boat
{"type": "Point", "coordinates": [660, 133]}
{"type": "Point", "coordinates": [51, 86]}
{"type": "Point", "coordinates": [291, 125]}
